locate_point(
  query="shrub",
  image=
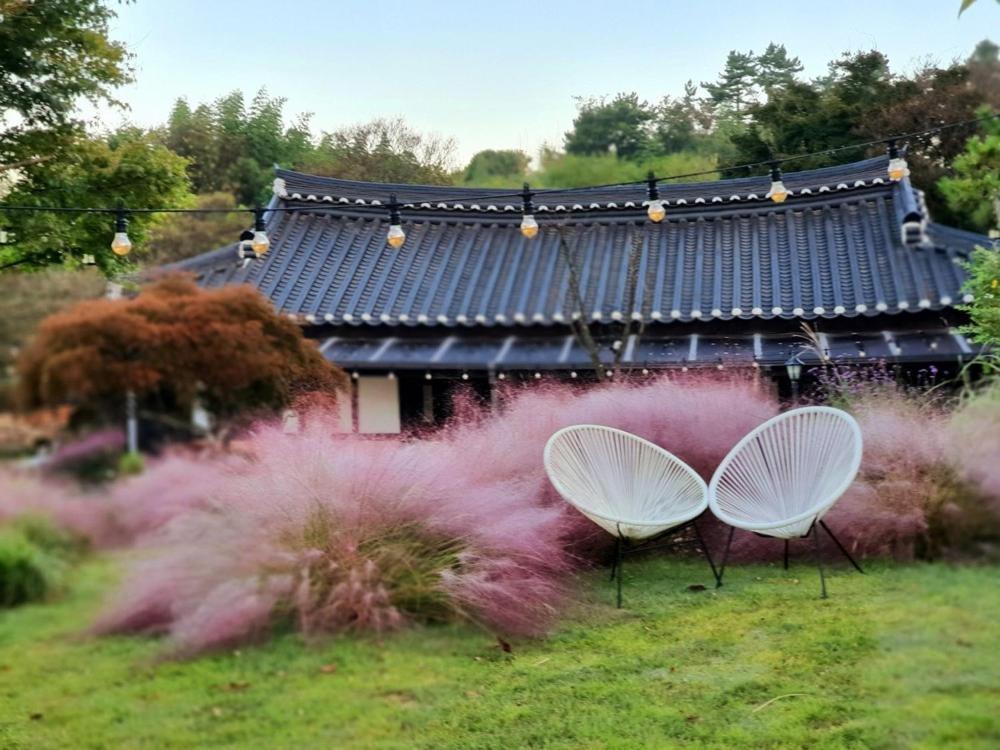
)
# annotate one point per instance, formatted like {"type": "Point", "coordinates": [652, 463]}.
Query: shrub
{"type": "Point", "coordinates": [130, 463]}
{"type": "Point", "coordinates": [89, 458]}
{"type": "Point", "coordinates": [28, 573]}
{"type": "Point", "coordinates": [45, 535]}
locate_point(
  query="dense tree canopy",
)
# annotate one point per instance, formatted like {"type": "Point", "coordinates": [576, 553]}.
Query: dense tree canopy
{"type": "Point", "coordinates": [974, 189]}
{"type": "Point", "coordinates": [171, 345]}
{"type": "Point", "coordinates": [52, 54]}
{"type": "Point", "coordinates": [383, 150]}
{"type": "Point", "coordinates": [126, 167]}
{"type": "Point", "coordinates": [499, 168]}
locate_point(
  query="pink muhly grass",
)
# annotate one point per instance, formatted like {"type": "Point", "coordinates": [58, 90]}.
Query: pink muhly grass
{"type": "Point", "coordinates": [342, 533]}
{"type": "Point", "coordinates": [170, 486]}
{"type": "Point", "coordinates": [24, 493]}
{"type": "Point", "coordinates": [973, 437]}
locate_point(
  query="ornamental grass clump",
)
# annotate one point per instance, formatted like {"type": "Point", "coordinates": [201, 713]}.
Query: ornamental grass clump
{"type": "Point", "coordinates": [328, 534]}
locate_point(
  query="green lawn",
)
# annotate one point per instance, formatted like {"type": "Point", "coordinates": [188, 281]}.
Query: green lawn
{"type": "Point", "coordinates": [904, 657]}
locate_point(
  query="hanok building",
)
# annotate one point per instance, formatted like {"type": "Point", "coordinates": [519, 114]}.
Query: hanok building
{"type": "Point", "coordinates": [727, 280]}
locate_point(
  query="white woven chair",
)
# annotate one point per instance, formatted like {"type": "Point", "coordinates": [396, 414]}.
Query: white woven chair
{"type": "Point", "coordinates": [628, 486]}
{"type": "Point", "coordinates": [785, 475]}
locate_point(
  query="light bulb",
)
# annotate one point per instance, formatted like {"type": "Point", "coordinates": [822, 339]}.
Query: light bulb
{"type": "Point", "coordinates": [778, 191]}
{"type": "Point", "coordinates": [121, 244]}
{"type": "Point", "coordinates": [572, 374]}
{"type": "Point", "coordinates": [428, 376]}
{"type": "Point", "coordinates": [529, 227]}
{"type": "Point", "coordinates": [396, 236]}
{"type": "Point", "coordinates": [656, 210]}
{"type": "Point", "coordinates": [538, 376]}
{"type": "Point", "coordinates": [502, 376]}
{"type": "Point", "coordinates": [898, 169]}
{"type": "Point", "coordinates": [260, 243]}
{"type": "Point", "coordinates": [465, 376]}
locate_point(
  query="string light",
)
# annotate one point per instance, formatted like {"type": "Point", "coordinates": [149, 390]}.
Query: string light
{"type": "Point", "coordinates": [898, 169]}
{"type": "Point", "coordinates": [529, 227]}
{"type": "Point", "coordinates": [655, 209]}
{"type": "Point", "coordinates": [396, 236]}
{"type": "Point", "coordinates": [778, 191]}
{"type": "Point", "coordinates": [260, 243]}
{"type": "Point", "coordinates": [121, 245]}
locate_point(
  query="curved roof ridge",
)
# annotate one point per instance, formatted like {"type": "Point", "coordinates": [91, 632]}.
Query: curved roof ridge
{"type": "Point", "coordinates": [300, 186]}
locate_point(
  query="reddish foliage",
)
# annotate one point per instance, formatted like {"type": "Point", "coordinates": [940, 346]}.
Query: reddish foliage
{"type": "Point", "coordinates": [169, 344]}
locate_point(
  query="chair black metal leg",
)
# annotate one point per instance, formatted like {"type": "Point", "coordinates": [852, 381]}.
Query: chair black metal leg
{"type": "Point", "coordinates": [725, 557]}
{"type": "Point", "coordinates": [786, 554]}
{"type": "Point", "coordinates": [704, 548]}
{"type": "Point", "coordinates": [819, 561]}
{"type": "Point", "coordinates": [841, 547]}
{"type": "Point", "coordinates": [614, 560]}
{"type": "Point", "coordinates": [618, 566]}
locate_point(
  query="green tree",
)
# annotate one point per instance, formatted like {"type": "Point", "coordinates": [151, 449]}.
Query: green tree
{"type": "Point", "coordinates": [802, 117]}
{"type": "Point", "coordinates": [620, 126]}
{"type": "Point", "coordinates": [735, 88]}
{"type": "Point", "coordinates": [383, 150]}
{"type": "Point", "coordinates": [973, 192]}
{"type": "Point", "coordinates": [184, 235]}
{"type": "Point", "coordinates": [233, 147]}
{"type": "Point", "coordinates": [680, 124]}
{"type": "Point", "coordinates": [52, 54]}
{"type": "Point", "coordinates": [775, 69]}
{"type": "Point", "coordinates": [984, 285]}
{"type": "Point", "coordinates": [496, 168]}
{"type": "Point", "coordinates": [127, 167]}
{"type": "Point", "coordinates": [562, 170]}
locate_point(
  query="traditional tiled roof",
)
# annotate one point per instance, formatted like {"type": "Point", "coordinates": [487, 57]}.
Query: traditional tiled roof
{"type": "Point", "coordinates": [837, 247]}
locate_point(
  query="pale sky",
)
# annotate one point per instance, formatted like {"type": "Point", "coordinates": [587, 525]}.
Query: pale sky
{"type": "Point", "coordinates": [498, 75]}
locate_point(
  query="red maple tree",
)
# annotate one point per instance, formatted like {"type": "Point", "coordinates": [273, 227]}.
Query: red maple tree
{"type": "Point", "coordinates": [172, 344]}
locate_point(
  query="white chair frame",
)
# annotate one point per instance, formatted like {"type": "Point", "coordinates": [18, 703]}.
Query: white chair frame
{"type": "Point", "coordinates": [630, 487]}
{"type": "Point", "coordinates": [783, 477]}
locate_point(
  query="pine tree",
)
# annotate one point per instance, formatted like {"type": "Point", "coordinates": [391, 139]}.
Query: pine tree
{"type": "Point", "coordinates": [734, 90]}
{"type": "Point", "coordinates": [775, 69]}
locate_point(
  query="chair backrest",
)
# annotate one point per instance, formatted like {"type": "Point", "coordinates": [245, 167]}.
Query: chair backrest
{"type": "Point", "coordinates": [625, 484]}
{"type": "Point", "coordinates": [787, 472]}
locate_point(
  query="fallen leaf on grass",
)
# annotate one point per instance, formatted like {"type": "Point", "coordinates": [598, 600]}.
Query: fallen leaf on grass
{"type": "Point", "coordinates": [216, 712]}
{"type": "Point", "coordinates": [328, 668]}
{"type": "Point", "coordinates": [35, 716]}
{"type": "Point", "coordinates": [236, 686]}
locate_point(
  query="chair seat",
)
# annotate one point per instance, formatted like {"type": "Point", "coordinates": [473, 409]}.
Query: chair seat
{"type": "Point", "coordinates": [787, 473]}
{"type": "Point", "coordinates": [625, 484]}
